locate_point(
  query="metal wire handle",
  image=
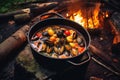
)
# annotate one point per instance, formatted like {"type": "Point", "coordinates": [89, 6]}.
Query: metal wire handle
{"type": "Point", "coordinates": [80, 63]}
{"type": "Point", "coordinates": [51, 14]}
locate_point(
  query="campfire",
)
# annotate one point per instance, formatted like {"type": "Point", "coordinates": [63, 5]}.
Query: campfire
{"type": "Point", "coordinates": [88, 16]}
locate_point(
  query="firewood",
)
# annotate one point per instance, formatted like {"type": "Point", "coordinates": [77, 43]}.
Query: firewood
{"type": "Point", "coordinates": [29, 2]}
{"type": "Point", "coordinates": [105, 58]}
{"type": "Point", "coordinates": [116, 33]}
{"type": "Point", "coordinates": [29, 11]}
{"type": "Point", "coordinates": [13, 43]}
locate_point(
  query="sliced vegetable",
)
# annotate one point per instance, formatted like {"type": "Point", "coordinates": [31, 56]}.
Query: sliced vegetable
{"type": "Point", "coordinates": [38, 34]}
{"type": "Point", "coordinates": [50, 32]}
{"type": "Point", "coordinates": [67, 32]}
{"type": "Point", "coordinates": [80, 49]}
{"type": "Point", "coordinates": [68, 47]}
{"type": "Point", "coordinates": [52, 38]}
{"type": "Point", "coordinates": [69, 38]}
{"type": "Point", "coordinates": [72, 45]}
{"type": "Point", "coordinates": [74, 52]}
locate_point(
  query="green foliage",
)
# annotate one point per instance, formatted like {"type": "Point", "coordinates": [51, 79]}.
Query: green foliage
{"type": "Point", "coordinates": [10, 5]}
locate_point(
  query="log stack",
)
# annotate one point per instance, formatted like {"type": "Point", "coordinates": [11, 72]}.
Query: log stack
{"type": "Point", "coordinates": [27, 13]}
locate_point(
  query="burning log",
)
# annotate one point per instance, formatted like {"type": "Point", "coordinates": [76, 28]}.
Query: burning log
{"type": "Point", "coordinates": [12, 44]}
{"type": "Point", "coordinates": [31, 12]}
{"type": "Point", "coordinates": [116, 33]}
{"type": "Point", "coordinates": [116, 41]}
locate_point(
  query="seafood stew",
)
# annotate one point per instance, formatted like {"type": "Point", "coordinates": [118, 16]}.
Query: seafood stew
{"type": "Point", "coordinates": [58, 41]}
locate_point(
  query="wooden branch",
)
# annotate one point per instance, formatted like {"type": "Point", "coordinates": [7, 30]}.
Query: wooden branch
{"type": "Point", "coordinates": [30, 2]}
{"type": "Point", "coordinates": [12, 44]}
{"type": "Point", "coordinates": [29, 11]}
{"type": "Point", "coordinates": [105, 58]}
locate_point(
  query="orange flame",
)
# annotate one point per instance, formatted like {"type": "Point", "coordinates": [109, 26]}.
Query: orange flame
{"type": "Point", "coordinates": [92, 19]}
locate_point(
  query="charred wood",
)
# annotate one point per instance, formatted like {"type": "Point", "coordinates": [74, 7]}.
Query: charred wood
{"type": "Point", "coordinates": [116, 33]}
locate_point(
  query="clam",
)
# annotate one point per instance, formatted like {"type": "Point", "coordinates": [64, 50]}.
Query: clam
{"type": "Point", "coordinates": [82, 44]}
{"type": "Point", "coordinates": [67, 53]}
{"type": "Point", "coordinates": [79, 40]}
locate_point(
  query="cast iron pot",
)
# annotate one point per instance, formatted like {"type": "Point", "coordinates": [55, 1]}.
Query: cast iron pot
{"type": "Point", "coordinates": [56, 62]}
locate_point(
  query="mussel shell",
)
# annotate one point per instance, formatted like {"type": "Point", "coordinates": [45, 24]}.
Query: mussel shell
{"type": "Point", "coordinates": [59, 33]}
{"type": "Point", "coordinates": [45, 33]}
{"type": "Point", "coordinates": [74, 35]}
{"type": "Point", "coordinates": [56, 50]}
{"type": "Point", "coordinates": [49, 49]}
{"type": "Point", "coordinates": [49, 43]}
{"type": "Point", "coordinates": [62, 41]}
{"type": "Point", "coordinates": [43, 47]}
{"type": "Point", "coordinates": [61, 50]}
{"type": "Point", "coordinates": [44, 38]}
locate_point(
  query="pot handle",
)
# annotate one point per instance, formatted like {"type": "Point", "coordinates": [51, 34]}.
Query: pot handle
{"type": "Point", "coordinates": [80, 63]}
{"type": "Point", "coordinates": [50, 14]}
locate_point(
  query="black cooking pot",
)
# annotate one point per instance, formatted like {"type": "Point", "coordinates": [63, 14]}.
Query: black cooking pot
{"type": "Point", "coordinates": [49, 61]}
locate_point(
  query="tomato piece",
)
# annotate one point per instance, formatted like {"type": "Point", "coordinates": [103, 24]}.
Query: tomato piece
{"type": "Point", "coordinates": [67, 32]}
{"type": "Point", "coordinates": [76, 45]}
{"type": "Point", "coordinates": [80, 49]}
{"type": "Point", "coordinates": [38, 34]}
{"type": "Point", "coordinates": [52, 38]}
